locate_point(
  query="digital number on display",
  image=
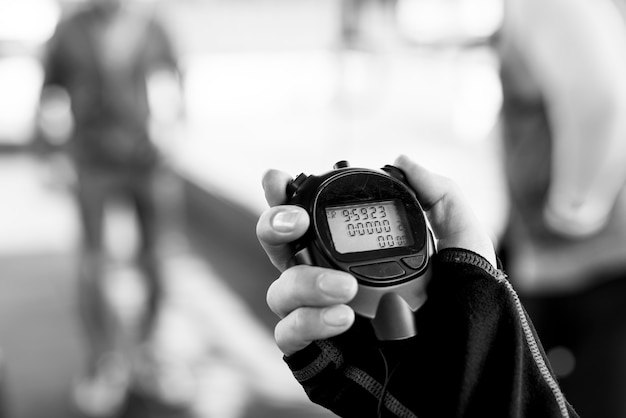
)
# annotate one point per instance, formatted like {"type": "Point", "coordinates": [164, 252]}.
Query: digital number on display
{"type": "Point", "coordinates": [368, 227]}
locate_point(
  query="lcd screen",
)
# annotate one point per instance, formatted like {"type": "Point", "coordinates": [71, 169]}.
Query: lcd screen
{"type": "Point", "coordinates": [368, 227]}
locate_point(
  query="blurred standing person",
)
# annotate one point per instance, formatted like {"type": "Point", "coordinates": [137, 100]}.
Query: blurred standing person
{"type": "Point", "coordinates": [102, 56]}
{"type": "Point", "coordinates": [563, 68]}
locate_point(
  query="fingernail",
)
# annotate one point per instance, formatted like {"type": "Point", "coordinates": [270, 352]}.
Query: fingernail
{"type": "Point", "coordinates": [285, 221]}
{"type": "Point", "coordinates": [336, 285]}
{"type": "Point", "coordinates": [337, 316]}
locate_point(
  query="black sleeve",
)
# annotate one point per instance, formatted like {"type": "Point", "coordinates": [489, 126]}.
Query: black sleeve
{"type": "Point", "coordinates": [476, 355]}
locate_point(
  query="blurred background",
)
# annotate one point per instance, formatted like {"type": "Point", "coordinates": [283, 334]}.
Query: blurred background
{"type": "Point", "coordinates": [291, 84]}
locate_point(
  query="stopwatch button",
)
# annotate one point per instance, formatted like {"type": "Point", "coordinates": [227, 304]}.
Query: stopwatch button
{"type": "Point", "coordinates": [395, 172]}
{"type": "Point", "coordinates": [379, 271]}
{"type": "Point", "coordinates": [294, 185]}
{"type": "Point", "coordinates": [414, 262]}
{"type": "Point", "coordinates": [341, 164]}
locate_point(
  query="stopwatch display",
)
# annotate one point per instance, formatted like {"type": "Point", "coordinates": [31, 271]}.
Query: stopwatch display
{"type": "Point", "coordinates": [368, 227]}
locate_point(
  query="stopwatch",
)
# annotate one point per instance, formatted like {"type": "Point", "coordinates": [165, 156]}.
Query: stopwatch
{"type": "Point", "coordinates": [369, 223]}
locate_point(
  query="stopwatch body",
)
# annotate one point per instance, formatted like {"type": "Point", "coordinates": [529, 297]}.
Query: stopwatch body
{"type": "Point", "coordinates": [369, 223]}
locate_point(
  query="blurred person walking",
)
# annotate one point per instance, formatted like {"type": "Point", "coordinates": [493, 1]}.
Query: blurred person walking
{"type": "Point", "coordinates": [102, 56]}
{"type": "Point", "coordinates": [563, 68]}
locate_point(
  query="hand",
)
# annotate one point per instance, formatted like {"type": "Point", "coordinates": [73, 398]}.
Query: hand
{"type": "Point", "coordinates": [312, 301]}
{"type": "Point", "coordinates": [453, 221]}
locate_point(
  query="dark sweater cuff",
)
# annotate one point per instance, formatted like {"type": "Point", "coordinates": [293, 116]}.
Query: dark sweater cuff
{"type": "Point", "coordinates": [313, 359]}
{"type": "Point", "coordinates": [461, 256]}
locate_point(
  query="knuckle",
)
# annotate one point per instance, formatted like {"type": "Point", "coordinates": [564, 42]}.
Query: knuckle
{"type": "Point", "coordinates": [270, 298]}
{"type": "Point", "coordinates": [304, 326]}
{"type": "Point", "coordinates": [292, 332]}
{"type": "Point", "coordinates": [299, 321]}
{"type": "Point", "coordinates": [262, 225]}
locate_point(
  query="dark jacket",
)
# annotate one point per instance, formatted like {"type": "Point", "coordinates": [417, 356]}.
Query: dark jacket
{"type": "Point", "coordinates": [476, 355]}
